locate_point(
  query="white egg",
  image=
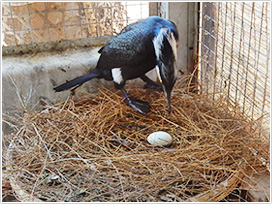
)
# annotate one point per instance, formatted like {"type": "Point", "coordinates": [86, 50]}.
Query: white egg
{"type": "Point", "coordinates": [159, 138]}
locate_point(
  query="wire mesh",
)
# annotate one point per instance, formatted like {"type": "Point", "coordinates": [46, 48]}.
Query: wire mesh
{"type": "Point", "coordinates": [36, 22]}
{"type": "Point", "coordinates": [235, 56]}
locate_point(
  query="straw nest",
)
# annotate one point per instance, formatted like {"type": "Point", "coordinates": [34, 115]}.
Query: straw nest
{"type": "Point", "coordinates": [95, 149]}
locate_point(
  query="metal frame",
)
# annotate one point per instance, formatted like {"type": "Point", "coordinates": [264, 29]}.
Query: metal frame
{"type": "Point", "coordinates": [235, 56]}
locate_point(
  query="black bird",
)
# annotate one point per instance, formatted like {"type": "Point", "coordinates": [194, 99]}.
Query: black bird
{"type": "Point", "coordinates": [140, 47]}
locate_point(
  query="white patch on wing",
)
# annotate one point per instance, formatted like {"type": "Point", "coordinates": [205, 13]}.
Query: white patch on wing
{"type": "Point", "coordinates": [173, 43]}
{"type": "Point", "coordinates": [117, 75]}
{"type": "Point", "coordinates": [157, 41]}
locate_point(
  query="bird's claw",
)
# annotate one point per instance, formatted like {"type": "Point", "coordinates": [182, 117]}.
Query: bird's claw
{"type": "Point", "coordinates": [139, 105]}
{"type": "Point", "coordinates": [155, 85]}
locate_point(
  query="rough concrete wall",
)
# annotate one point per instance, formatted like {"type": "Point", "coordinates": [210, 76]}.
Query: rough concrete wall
{"type": "Point", "coordinates": [28, 79]}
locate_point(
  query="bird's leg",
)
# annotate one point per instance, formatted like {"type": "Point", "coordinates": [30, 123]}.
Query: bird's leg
{"type": "Point", "coordinates": [151, 84]}
{"type": "Point", "coordinates": [139, 105]}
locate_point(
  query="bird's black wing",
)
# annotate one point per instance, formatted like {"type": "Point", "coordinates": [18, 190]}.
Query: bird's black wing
{"type": "Point", "coordinates": [128, 48]}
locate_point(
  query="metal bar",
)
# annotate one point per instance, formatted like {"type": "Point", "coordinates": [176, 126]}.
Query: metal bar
{"type": "Point", "coordinates": [239, 54]}
{"type": "Point", "coordinates": [232, 43]}
{"type": "Point", "coordinates": [199, 45]}
{"type": "Point", "coordinates": [257, 61]}
{"type": "Point", "coordinates": [224, 45]}
{"type": "Point", "coordinates": [215, 66]}
{"type": "Point", "coordinates": [248, 54]}
{"type": "Point", "coordinates": [267, 66]}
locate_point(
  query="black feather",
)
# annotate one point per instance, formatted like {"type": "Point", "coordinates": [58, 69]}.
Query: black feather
{"type": "Point", "coordinates": [76, 81]}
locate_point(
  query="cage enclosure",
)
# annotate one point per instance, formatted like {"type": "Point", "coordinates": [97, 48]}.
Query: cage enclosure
{"type": "Point", "coordinates": [89, 146]}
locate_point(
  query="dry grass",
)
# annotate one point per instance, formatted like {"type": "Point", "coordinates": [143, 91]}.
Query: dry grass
{"type": "Point", "coordinates": [95, 149]}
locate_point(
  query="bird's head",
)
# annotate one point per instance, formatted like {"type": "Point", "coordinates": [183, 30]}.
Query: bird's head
{"type": "Point", "coordinates": [165, 45]}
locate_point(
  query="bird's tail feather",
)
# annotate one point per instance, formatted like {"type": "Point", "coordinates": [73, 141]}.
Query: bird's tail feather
{"type": "Point", "coordinates": [77, 81]}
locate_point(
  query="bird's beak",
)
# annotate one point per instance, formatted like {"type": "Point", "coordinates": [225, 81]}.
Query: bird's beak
{"type": "Point", "coordinates": [168, 100]}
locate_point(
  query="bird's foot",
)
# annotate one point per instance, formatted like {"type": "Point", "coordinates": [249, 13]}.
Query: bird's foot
{"type": "Point", "coordinates": [154, 85]}
{"type": "Point", "coordinates": [139, 105]}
